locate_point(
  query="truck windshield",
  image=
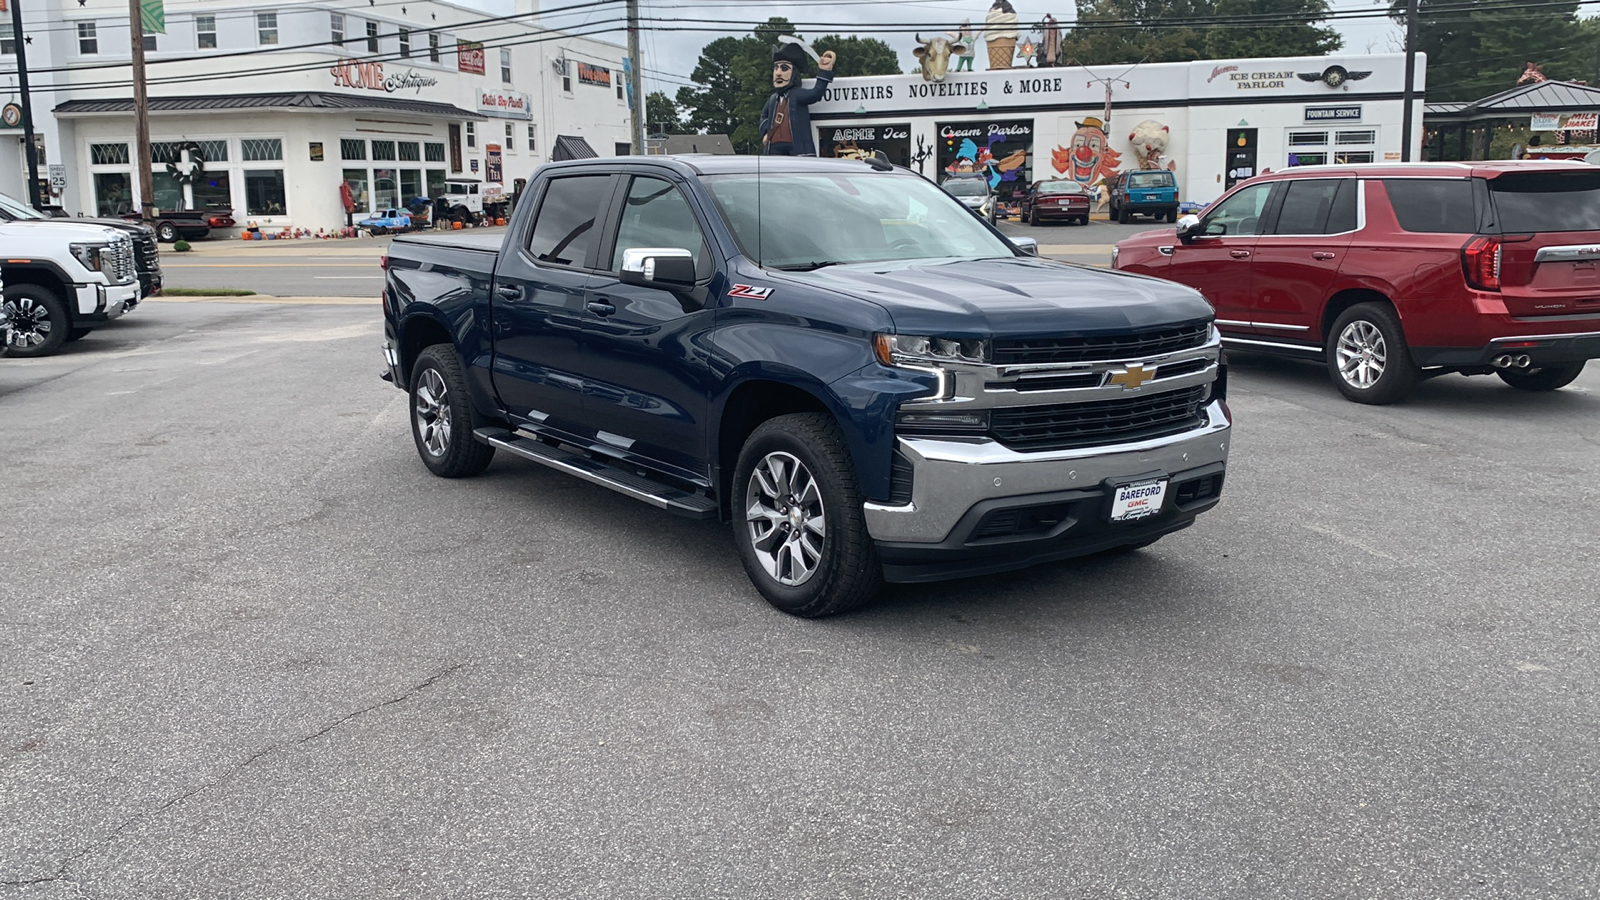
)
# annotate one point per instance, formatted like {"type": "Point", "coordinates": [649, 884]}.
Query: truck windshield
{"type": "Point", "coordinates": [11, 209]}
{"type": "Point", "coordinates": [806, 220]}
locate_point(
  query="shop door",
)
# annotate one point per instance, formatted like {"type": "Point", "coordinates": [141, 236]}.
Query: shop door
{"type": "Point", "coordinates": [1241, 155]}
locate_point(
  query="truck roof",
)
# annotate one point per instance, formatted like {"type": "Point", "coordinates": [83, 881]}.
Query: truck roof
{"type": "Point", "coordinates": [689, 164]}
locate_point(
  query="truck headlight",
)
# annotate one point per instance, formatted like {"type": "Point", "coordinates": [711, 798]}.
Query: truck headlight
{"type": "Point", "coordinates": [918, 351]}
{"type": "Point", "coordinates": [90, 255]}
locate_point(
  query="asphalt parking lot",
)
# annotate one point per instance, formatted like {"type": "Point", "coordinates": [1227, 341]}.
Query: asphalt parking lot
{"type": "Point", "coordinates": [250, 648]}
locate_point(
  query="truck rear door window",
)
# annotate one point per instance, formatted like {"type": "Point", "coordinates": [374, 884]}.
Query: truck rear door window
{"type": "Point", "coordinates": [1547, 201]}
{"type": "Point", "coordinates": [563, 229]}
{"type": "Point", "coordinates": [1433, 205]}
{"type": "Point", "coordinates": [1309, 208]}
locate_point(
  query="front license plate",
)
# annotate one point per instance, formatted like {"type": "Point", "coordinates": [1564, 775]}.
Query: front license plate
{"type": "Point", "coordinates": [1135, 501]}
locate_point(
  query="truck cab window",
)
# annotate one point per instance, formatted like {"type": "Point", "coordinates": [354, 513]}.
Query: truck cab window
{"type": "Point", "coordinates": [563, 228]}
{"type": "Point", "coordinates": [657, 215]}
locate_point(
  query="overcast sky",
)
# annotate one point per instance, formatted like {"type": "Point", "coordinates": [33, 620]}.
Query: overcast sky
{"type": "Point", "coordinates": [671, 55]}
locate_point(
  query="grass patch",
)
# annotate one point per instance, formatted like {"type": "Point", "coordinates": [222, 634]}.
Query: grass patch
{"type": "Point", "coordinates": [207, 292]}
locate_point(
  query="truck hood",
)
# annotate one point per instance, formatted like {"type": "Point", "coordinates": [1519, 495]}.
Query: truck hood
{"type": "Point", "coordinates": [1012, 297]}
{"type": "Point", "coordinates": [40, 233]}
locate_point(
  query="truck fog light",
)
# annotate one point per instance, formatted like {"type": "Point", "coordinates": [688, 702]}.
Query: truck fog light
{"type": "Point", "coordinates": [973, 420]}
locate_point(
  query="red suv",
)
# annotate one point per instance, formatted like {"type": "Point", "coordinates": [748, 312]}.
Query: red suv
{"type": "Point", "coordinates": [1394, 273]}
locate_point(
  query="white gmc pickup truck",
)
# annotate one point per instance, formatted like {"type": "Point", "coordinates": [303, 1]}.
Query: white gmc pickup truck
{"type": "Point", "coordinates": [60, 282]}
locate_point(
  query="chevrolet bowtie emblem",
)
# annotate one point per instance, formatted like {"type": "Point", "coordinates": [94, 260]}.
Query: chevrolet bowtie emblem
{"type": "Point", "coordinates": [1133, 377]}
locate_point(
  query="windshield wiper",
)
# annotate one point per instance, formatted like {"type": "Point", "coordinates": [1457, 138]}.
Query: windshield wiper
{"type": "Point", "coordinates": [810, 266]}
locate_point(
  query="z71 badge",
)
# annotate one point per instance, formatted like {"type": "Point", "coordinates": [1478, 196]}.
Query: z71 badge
{"type": "Point", "coordinates": [749, 292]}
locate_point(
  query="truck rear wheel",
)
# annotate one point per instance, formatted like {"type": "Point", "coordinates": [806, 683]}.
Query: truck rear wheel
{"type": "Point", "coordinates": [166, 232]}
{"type": "Point", "coordinates": [441, 416]}
{"type": "Point", "coordinates": [39, 323]}
{"type": "Point", "coordinates": [1543, 378]}
{"type": "Point", "coordinates": [798, 521]}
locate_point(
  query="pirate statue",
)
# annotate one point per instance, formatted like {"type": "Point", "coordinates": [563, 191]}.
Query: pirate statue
{"type": "Point", "coordinates": [786, 119]}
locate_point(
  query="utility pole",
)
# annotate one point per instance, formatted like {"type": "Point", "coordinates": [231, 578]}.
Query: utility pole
{"type": "Point", "coordinates": [141, 114]}
{"type": "Point", "coordinates": [636, 81]}
{"type": "Point", "coordinates": [29, 149]}
{"type": "Point", "coordinates": [1408, 96]}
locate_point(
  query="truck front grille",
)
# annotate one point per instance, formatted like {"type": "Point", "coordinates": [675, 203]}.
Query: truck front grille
{"type": "Point", "coordinates": [1092, 348]}
{"type": "Point", "coordinates": [1065, 426]}
{"type": "Point", "coordinates": [145, 253]}
{"type": "Point", "coordinates": [119, 257]}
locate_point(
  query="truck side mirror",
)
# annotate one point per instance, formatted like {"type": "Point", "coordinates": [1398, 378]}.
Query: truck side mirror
{"type": "Point", "coordinates": [668, 268]}
{"type": "Point", "coordinates": [1027, 246]}
{"type": "Point", "coordinates": [1188, 228]}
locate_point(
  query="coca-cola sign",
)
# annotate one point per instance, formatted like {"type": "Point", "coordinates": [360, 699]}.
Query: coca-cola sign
{"type": "Point", "coordinates": [469, 57]}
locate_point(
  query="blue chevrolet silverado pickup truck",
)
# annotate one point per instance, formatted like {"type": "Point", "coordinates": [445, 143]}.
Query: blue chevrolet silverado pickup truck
{"type": "Point", "coordinates": [866, 380]}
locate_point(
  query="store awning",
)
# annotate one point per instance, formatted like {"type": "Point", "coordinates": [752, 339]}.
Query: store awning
{"type": "Point", "coordinates": [1522, 100]}
{"type": "Point", "coordinates": [569, 147]}
{"type": "Point", "coordinates": [302, 101]}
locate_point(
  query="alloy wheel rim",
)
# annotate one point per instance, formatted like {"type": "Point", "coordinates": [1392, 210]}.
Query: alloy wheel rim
{"type": "Point", "coordinates": [786, 518]}
{"type": "Point", "coordinates": [1361, 354]}
{"type": "Point", "coordinates": [433, 412]}
{"type": "Point", "coordinates": [28, 325]}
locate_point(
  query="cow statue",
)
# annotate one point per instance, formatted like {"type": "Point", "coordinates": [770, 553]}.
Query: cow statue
{"type": "Point", "coordinates": [935, 53]}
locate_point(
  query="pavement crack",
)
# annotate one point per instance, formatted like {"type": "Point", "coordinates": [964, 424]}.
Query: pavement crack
{"type": "Point", "coordinates": [64, 871]}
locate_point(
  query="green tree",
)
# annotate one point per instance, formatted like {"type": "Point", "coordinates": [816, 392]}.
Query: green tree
{"type": "Point", "coordinates": [1479, 52]}
{"type": "Point", "coordinates": [1089, 43]}
{"type": "Point", "coordinates": [661, 114]}
{"type": "Point", "coordinates": [1294, 34]}
{"type": "Point", "coordinates": [859, 56]}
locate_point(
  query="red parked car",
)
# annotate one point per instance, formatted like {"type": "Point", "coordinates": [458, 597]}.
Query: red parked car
{"type": "Point", "coordinates": [1392, 273]}
{"type": "Point", "coordinates": [1055, 201]}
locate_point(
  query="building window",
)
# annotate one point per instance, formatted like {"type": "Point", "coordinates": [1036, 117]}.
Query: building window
{"type": "Point", "coordinates": [214, 151]}
{"type": "Point", "coordinates": [149, 41]}
{"type": "Point", "coordinates": [267, 28]}
{"type": "Point", "coordinates": [113, 193]}
{"type": "Point", "coordinates": [8, 40]}
{"type": "Point", "coordinates": [212, 191]}
{"type": "Point", "coordinates": [433, 48]}
{"type": "Point", "coordinates": [357, 179]}
{"type": "Point", "coordinates": [336, 28]}
{"type": "Point", "coordinates": [505, 65]}
{"type": "Point", "coordinates": [261, 149]}
{"type": "Point", "coordinates": [1308, 159]}
{"type": "Point", "coordinates": [88, 39]}
{"type": "Point", "coordinates": [108, 154]}
{"type": "Point", "coordinates": [1356, 137]}
{"type": "Point", "coordinates": [383, 150]}
{"type": "Point", "coordinates": [351, 148]}
{"type": "Point", "coordinates": [1351, 157]}
{"type": "Point", "coordinates": [372, 37]}
{"type": "Point", "coordinates": [533, 138]}
{"type": "Point", "coordinates": [434, 152]}
{"type": "Point", "coordinates": [435, 183]}
{"type": "Point", "coordinates": [205, 32]}
{"type": "Point", "coordinates": [410, 186]}
{"type": "Point", "coordinates": [511, 137]}
{"type": "Point", "coordinates": [619, 88]}
{"type": "Point", "coordinates": [405, 42]}
{"type": "Point", "coordinates": [264, 194]}
{"type": "Point", "coordinates": [472, 134]}
{"type": "Point", "coordinates": [1307, 138]}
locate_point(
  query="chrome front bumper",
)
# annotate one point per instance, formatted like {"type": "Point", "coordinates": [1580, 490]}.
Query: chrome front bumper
{"type": "Point", "coordinates": [952, 475]}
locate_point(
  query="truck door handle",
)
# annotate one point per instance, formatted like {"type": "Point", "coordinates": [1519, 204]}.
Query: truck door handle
{"type": "Point", "coordinates": [1322, 254]}
{"type": "Point", "coordinates": [1239, 254]}
{"type": "Point", "coordinates": [600, 307]}
{"type": "Point", "coordinates": [508, 291]}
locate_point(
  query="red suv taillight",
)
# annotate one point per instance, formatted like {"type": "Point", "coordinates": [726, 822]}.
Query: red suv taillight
{"type": "Point", "coordinates": [1480, 260]}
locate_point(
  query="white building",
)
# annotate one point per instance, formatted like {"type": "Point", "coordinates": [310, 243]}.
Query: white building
{"type": "Point", "coordinates": [1221, 120]}
{"type": "Point", "coordinates": [268, 108]}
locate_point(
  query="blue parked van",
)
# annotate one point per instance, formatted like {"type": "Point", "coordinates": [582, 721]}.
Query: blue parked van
{"type": "Point", "coordinates": [1152, 192]}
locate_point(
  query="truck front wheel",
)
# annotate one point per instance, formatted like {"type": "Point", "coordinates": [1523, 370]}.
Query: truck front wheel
{"type": "Point", "coordinates": [39, 322]}
{"type": "Point", "coordinates": [441, 416]}
{"type": "Point", "coordinates": [798, 521]}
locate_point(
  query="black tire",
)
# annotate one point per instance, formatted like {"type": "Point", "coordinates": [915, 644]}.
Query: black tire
{"type": "Point", "coordinates": [442, 426]}
{"type": "Point", "coordinates": [1541, 378]}
{"type": "Point", "coordinates": [77, 334]}
{"type": "Point", "coordinates": [1172, 215]}
{"type": "Point", "coordinates": [1377, 367]}
{"type": "Point", "coordinates": [1083, 220]}
{"type": "Point", "coordinates": [846, 572]}
{"type": "Point", "coordinates": [1124, 216]}
{"type": "Point", "coordinates": [39, 321]}
{"type": "Point", "coordinates": [1033, 217]}
{"type": "Point", "coordinates": [166, 232]}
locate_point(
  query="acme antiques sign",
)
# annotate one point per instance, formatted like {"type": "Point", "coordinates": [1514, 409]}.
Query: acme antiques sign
{"type": "Point", "coordinates": [351, 74]}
